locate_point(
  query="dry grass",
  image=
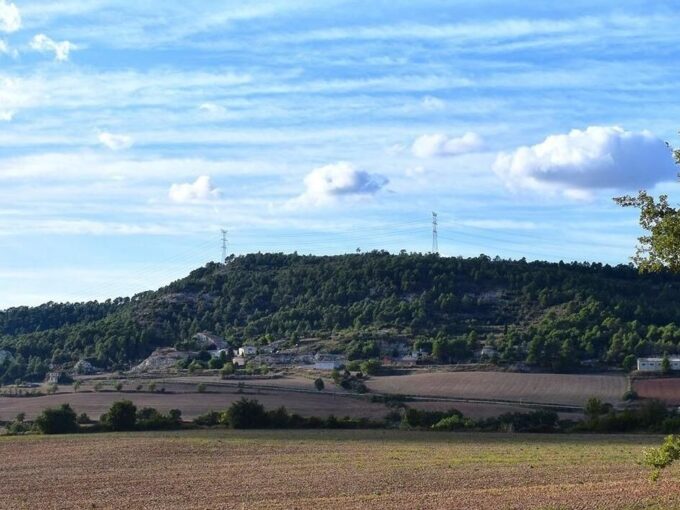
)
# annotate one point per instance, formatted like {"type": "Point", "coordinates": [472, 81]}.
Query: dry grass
{"type": "Point", "coordinates": [565, 389]}
{"type": "Point", "coordinates": [321, 469]}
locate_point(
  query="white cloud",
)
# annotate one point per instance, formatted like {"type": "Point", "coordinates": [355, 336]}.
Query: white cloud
{"type": "Point", "coordinates": [200, 190]}
{"type": "Point", "coordinates": [10, 19]}
{"type": "Point", "coordinates": [329, 182]}
{"type": "Point", "coordinates": [6, 115]}
{"type": "Point", "coordinates": [433, 103]}
{"type": "Point", "coordinates": [427, 146]}
{"type": "Point", "coordinates": [115, 142]}
{"type": "Point", "coordinates": [44, 44]}
{"type": "Point", "coordinates": [577, 163]}
{"type": "Point", "coordinates": [212, 109]}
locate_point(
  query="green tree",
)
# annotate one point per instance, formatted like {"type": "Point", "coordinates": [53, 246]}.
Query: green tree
{"type": "Point", "coordinates": [371, 366]}
{"type": "Point", "coordinates": [121, 416]}
{"type": "Point", "coordinates": [665, 364]}
{"type": "Point", "coordinates": [318, 384]}
{"type": "Point", "coordinates": [661, 247]}
{"type": "Point", "coordinates": [60, 420]}
{"type": "Point", "coordinates": [629, 363]}
{"type": "Point", "coordinates": [245, 414]}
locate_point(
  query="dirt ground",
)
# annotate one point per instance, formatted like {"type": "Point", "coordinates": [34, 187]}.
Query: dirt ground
{"type": "Point", "coordinates": [565, 389]}
{"type": "Point", "coordinates": [666, 389]}
{"type": "Point", "coordinates": [330, 470]}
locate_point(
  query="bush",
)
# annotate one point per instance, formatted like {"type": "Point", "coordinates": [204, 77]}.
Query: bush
{"type": "Point", "coordinates": [454, 422]}
{"type": "Point", "coordinates": [318, 384]}
{"type": "Point", "coordinates": [119, 386]}
{"type": "Point", "coordinates": [416, 418]}
{"type": "Point", "coordinates": [121, 416]}
{"type": "Point", "coordinates": [83, 419]}
{"type": "Point", "coordinates": [370, 367]}
{"type": "Point", "coordinates": [215, 363]}
{"type": "Point", "coordinates": [209, 419]}
{"type": "Point", "coordinates": [201, 388]}
{"type": "Point", "coordinates": [630, 395]}
{"type": "Point", "coordinates": [245, 414]}
{"type": "Point", "coordinates": [149, 418]}
{"type": "Point", "coordinates": [60, 420]}
{"type": "Point", "coordinates": [227, 369]}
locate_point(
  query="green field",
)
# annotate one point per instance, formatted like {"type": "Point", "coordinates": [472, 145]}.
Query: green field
{"type": "Point", "coordinates": [339, 469]}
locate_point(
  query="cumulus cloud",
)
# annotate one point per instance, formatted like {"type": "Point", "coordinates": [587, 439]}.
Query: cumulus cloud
{"type": "Point", "coordinates": [438, 145]}
{"type": "Point", "coordinates": [10, 19]}
{"type": "Point", "coordinates": [44, 44]}
{"type": "Point", "coordinates": [200, 190]}
{"type": "Point", "coordinates": [6, 115]}
{"type": "Point", "coordinates": [115, 142]}
{"type": "Point", "coordinates": [330, 182]}
{"type": "Point", "coordinates": [577, 163]}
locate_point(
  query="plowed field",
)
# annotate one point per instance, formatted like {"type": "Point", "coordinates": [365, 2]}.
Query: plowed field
{"type": "Point", "coordinates": [330, 470]}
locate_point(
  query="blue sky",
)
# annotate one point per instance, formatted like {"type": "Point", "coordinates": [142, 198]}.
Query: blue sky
{"type": "Point", "coordinates": [132, 132]}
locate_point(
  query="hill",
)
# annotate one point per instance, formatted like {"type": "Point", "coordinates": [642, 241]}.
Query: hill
{"type": "Point", "coordinates": [550, 315]}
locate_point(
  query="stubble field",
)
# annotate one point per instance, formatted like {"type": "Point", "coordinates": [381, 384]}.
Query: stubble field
{"type": "Point", "coordinates": [330, 470]}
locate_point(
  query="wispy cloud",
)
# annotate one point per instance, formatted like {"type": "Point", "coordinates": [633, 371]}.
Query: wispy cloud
{"type": "Point", "coordinates": [43, 44]}
{"type": "Point", "coordinates": [438, 144]}
{"type": "Point", "coordinates": [115, 142]}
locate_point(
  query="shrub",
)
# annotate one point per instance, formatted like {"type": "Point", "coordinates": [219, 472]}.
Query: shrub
{"type": "Point", "coordinates": [119, 386]}
{"type": "Point", "coordinates": [140, 387]}
{"type": "Point", "coordinates": [121, 416]}
{"type": "Point", "coordinates": [245, 414]}
{"type": "Point", "coordinates": [370, 367]}
{"type": "Point", "coordinates": [318, 384]}
{"type": "Point", "coordinates": [227, 369]}
{"type": "Point", "coordinates": [77, 385]}
{"type": "Point", "coordinates": [454, 422]}
{"type": "Point", "coordinates": [52, 389]}
{"type": "Point", "coordinates": [83, 419]}
{"type": "Point", "coordinates": [426, 419]}
{"type": "Point", "coordinates": [152, 387]}
{"type": "Point", "coordinates": [209, 419]}
{"type": "Point", "coordinates": [60, 420]}
{"type": "Point", "coordinates": [201, 388]}
{"type": "Point", "coordinates": [149, 418]}
{"type": "Point", "coordinates": [630, 395]}
{"type": "Point", "coordinates": [215, 363]}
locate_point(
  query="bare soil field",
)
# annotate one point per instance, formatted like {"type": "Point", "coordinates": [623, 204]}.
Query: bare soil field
{"type": "Point", "coordinates": [329, 470]}
{"type": "Point", "coordinates": [194, 404]}
{"type": "Point", "coordinates": [564, 389]}
{"type": "Point", "coordinates": [666, 389]}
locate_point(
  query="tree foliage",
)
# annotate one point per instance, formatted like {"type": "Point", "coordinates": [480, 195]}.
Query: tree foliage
{"type": "Point", "coordinates": [660, 249]}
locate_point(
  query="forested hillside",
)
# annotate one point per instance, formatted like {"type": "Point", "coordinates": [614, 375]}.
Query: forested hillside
{"type": "Point", "coordinates": [552, 316]}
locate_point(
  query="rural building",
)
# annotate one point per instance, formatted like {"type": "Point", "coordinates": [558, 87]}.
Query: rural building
{"type": "Point", "coordinates": [239, 361]}
{"type": "Point", "coordinates": [654, 364]}
{"type": "Point", "coordinates": [54, 377]}
{"type": "Point", "coordinates": [247, 350]}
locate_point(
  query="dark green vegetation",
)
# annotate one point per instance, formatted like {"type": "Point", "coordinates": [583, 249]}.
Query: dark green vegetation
{"type": "Point", "coordinates": [552, 316]}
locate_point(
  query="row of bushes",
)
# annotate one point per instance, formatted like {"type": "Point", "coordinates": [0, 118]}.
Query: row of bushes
{"type": "Point", "coordinates": [250, 414]}
{"type": "Point", "coordinates": [652, 416]}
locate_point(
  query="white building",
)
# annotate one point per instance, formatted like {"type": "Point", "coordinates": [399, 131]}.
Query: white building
{"type": "Point", "coordinates": [654, 364]}
{"type": "Point", "coordinates": [247, 350]}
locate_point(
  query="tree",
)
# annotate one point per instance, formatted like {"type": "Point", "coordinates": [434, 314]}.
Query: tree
{"type": "Point", "coordinates": [245, 414]}
{"type": "Point", "coordinates": [370, 367]}
{"type": "Point", "coordinates": [201, 388]}
{"type": "Point", "coordinates": [594, 408]}
{"type": "Point", "coordinates": [60, 420]}
{"type": "Point", "coordinates": [629, 363]}
{"type": "Point", "coordinates": [318, 384]}
{"type": "Point", "coordinates": [665, 364]}
{"type": "Point", "coordinates": [661, 248]}
{"type": "Point", "coordinates": [121, 416]}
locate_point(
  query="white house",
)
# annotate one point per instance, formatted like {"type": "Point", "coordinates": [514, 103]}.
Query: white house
{"type": "Point", "coordinates": [654, 364]}
{"type": "Point", "coordinates": [247, 350]}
